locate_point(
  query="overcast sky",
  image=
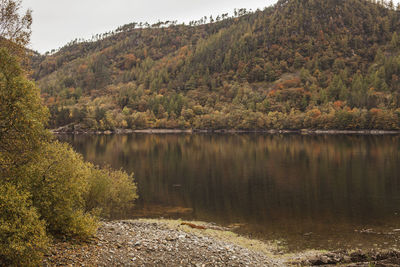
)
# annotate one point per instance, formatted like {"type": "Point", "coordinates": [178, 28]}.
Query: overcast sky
{"type": "Point", "coordinates": [56, 22]}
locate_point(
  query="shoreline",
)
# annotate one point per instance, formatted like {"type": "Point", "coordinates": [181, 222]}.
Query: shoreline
{"type": "Point", "coordinates": [230, 131]}
{"type": "Point", "coordinates": [161, 242]}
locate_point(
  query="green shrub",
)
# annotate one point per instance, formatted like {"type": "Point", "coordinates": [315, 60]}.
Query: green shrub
{"type": "Point", "coordinates": [113, 192]}
{"type": "Point", "coordinates": [22, 116]}
{"type": "Point", "coordinates": [22, 235]}
{"type": "Point", "coordinates": [59, 184]}
{"type": "Point", "coordinates": [81, 225]}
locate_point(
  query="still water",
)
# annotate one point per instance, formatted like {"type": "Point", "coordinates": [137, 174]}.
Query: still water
{"type": "Point", "coordinates": [322, 192]}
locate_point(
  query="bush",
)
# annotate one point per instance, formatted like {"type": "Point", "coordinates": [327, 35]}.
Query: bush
{"type": "Point", "coordinates": [22, 115]}
{"type": "Point", "coordinates": [69, 192]}
{"type": "Point", "coordinates": [59, 184]}
{"type": "Point", "coordinates": [113, 192]}
{"type": "Point", "coordinates": [22, 235]}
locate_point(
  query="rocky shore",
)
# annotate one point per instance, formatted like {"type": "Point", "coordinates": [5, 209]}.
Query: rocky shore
{"type": "Point", "coordinates": [173, 243]}
{"type": "Point", "coordinates": [77, 129]}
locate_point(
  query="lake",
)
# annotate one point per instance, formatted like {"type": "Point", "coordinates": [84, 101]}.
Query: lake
{"type": "Point", "coordinates": [321, 192]}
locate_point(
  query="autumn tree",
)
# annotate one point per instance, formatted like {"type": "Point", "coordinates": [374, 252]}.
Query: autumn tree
{"type": "Point", "coordinates": [15, 29]}
{"type": "Point", "coordinates": [43, 184]}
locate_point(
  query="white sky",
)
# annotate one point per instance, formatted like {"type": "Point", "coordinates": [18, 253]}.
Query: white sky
{"type": "Point", "coordinates": [56, 22]}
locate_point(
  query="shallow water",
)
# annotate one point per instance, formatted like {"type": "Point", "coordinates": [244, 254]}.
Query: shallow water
{"type": "Point", "coordinates": [321, 192]}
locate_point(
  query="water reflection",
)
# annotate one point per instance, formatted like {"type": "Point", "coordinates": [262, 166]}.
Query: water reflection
{"type": "Point", "coordinates": [312, 191]}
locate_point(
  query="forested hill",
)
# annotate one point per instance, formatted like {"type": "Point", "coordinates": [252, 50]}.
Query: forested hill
{"type": "Point", "coordinates": [316, 64]}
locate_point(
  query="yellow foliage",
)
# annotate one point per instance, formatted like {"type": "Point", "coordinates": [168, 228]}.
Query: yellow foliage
{"type": "Point", "coordinates": [113, 192]}
{"type": "Point", "coordinates": [22, 234]}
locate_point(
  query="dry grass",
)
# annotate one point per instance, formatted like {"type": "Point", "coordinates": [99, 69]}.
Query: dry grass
{"type": "Point", "coordinates": [271, 249]}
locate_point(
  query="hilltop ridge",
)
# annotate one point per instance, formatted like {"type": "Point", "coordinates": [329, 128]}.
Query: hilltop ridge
{"type": "Point", "coordinates": [298, 64]}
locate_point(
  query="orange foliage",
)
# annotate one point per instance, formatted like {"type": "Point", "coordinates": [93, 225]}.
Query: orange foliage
{"type": "Point", "coordinates": [51, 101]}
{"type": "Point", "coordinates": [130, 60]}
{"type": "Point", "coordinates": [338, 104]}
{"type": "Point", "coordinates": [375, 111]}
{"type": "Point", "coordinates": [271, 93]}
{"type": "Point", "coordinates": [82, 68]}
{"type": "Point", "coordinates": [315, 113]}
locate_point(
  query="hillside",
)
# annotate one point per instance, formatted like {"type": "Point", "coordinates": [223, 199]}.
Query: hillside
{"type": "Point", "coordinates": [330, 64]}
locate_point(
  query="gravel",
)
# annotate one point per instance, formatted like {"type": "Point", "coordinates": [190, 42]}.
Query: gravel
{"type": "Point", "coordinates": [137, 243]}
{"type": "Point", "coordinates": [160, 243]}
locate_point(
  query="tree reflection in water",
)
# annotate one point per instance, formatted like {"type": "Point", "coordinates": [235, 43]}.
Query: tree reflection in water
{"type": "Point", "coordinates": [311, 191]}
